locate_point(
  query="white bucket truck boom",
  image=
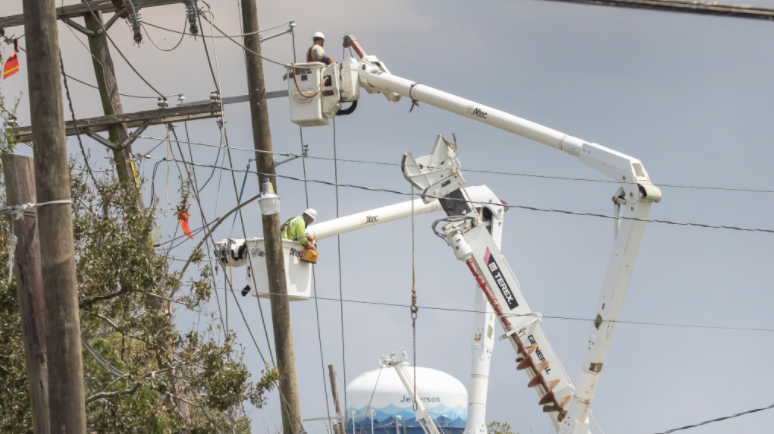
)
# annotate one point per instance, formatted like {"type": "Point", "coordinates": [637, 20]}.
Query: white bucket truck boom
{"type": "Point", "coordinates": [465, 229]}
{"type": "Point", "coordinates": [423, 413]}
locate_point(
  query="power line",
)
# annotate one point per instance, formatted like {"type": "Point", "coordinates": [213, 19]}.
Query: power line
{"type": "Point", "coordinates": [212, 37]}
{"type": "Point", "coordinates": [693, 7]}
{"type": "Point", "coordinates": [216, 79]}
{"type": "Point", "coordinates": [717, 420]}
{"type": "Point", "coordinates": [338, 245]}
{"type": "Point", "coordinates": [538, 315]}
{"type": "Point", "coordinates": [122, 94]}
{"type": "Point", "coordinates": [243, 47]}
{"type": "Point", "coordinates": [524, 207]}
{"type": "Point", "coordinates": [120, 52]}
{"type": "Point", "coordinates": [491, 172]}
{"type": "Point", "coordinates": [314, 276]}
{"type": "Point", "coordinates": [182, 35]}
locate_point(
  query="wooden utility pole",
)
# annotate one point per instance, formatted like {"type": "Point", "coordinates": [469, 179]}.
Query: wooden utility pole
{"type": "Point", "coordinates": [20, 189]}
{"type": "Point", "coordinates": [124, 158]}
{"type": "Point", "coordinates": [275, 263]}
{"type": "Point", "coordinates": [339, 427]}
{"type": "Point", "coordinates": [66, 412]}
{"type": "Point", "coordinates": [111, 100]}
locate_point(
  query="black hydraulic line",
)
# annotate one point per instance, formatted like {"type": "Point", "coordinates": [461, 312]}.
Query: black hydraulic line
{"type": "Point", "coordinates": [348, 111]}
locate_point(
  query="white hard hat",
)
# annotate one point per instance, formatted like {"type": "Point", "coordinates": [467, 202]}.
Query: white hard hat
{"type": "Point", "coordinates": [311, 213]}
{"type": "Point", "coordinates": [318, 35]}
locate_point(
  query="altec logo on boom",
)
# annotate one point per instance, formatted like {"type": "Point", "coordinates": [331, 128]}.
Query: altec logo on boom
{"type": "Point", "coordinates": [475, 111]}
{"type": "Point", "coordinates": [501, 283]}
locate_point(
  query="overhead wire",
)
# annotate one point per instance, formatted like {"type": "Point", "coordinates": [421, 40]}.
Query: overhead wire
{"type": "Point", "coordinates": [228, 152]}
{"type": "Point", "coordinates": [216, 81]}
{"type": "Point", "coordinates": [210, 273]}
{"type": "Point", "coordinates": [120, 52]}
{"type": "Point", "coordinates": [493, 172]}
{"type": "Point", "coordinates": [227, 36]}
{"type": "Point", "coordinates": [182, 35]}
{"type": "Point", "coordinates": [75, 123]}
{"type": "Point", "coordinates": [338, 244]}
{"type": "Point", "coordinates": [314, 277]}
{"type": "Point", "coordinates": [368, 409]}
{"type": "Point", "coordinates": [717, 420]}
{"type": "Point", "coordinates": [103, 70]}
{"type": "Point", "coordinates": [243, 47]}
{"type": "Point", "coordinates": [557, 317]}
{"type": "Point", "coordinates": [530, 208]}
{"type": "Point", "coordinates": [524, 207]}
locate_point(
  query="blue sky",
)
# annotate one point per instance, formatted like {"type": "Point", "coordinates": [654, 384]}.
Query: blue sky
{"type": "Point", "coordinates": [688, 95]}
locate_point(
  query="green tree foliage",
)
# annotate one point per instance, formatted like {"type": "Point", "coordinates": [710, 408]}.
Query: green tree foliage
{"type": "Point", "coordinates": [147, 376]}
{"type": "Point", "coordinates": [496, 427]}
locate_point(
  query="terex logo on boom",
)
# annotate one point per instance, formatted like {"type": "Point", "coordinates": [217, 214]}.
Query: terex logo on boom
{"type": "Point", "coordinates": [497, 275]}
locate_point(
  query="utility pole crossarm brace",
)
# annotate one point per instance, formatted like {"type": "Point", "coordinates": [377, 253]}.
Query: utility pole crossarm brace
{"type": "Point", "coordinates": [183, 112]}
{"type": "Point", "coordinates": [141, 119]}
{"type": "Point", "coordinates": [108, 144]}
{"type": "Point", "coordinates": [88, 32]}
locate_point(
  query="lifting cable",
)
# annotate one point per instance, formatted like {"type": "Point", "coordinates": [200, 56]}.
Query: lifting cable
{"type": "Point", "coordinates": [414, 308]}
{"type": "Point", "coordinates": [314, 277]}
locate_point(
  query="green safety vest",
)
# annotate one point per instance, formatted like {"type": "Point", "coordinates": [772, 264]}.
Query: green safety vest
{"type": "Point", "coordinates": [295, 230]}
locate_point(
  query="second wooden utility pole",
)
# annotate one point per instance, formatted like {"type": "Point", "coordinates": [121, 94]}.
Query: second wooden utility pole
{"type": "Point", "coordinates": [20, 188]}
{"type": "Point", "coordinates": [67, 413]}
{"type": "Point", "coordinates": [335, 392]}
{"type": "Point", "coordinates": [111, 100]}
{"type": "Point", "coordinates": [275, 262]}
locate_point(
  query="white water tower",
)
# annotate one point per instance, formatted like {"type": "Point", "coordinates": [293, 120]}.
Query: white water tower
{"type": "Point", "coordinates": [392, 404]}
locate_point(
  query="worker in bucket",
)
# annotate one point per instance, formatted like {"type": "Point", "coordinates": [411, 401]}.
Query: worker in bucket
{"type": "Point", "coordinates": [316, 52]}
{"type": "Point", "coordinates": [295, 229]}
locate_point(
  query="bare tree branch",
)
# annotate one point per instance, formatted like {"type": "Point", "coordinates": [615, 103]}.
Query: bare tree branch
{"type": "Point", "coordinates": [101, 395]}
{"type": "Point", "coordinates": [87, 302]}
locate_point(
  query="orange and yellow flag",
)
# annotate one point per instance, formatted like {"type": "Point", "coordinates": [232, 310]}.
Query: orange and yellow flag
{"type": "Point", "coordinates": [11, 66]}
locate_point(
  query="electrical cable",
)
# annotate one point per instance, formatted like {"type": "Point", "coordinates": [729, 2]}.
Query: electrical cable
{"type": "Point", "coordinates": [122, 94]}
{"type": "Point", "coordinates": [338, 244]}
{"type": "Point", "coordinates": [120, 52]}
{"type": "Point", "coordinates": [182, 35]}
{"type": "Point", "coordinates": [492, 172]}
{"type": "Point", "coordinates": [243, 47]}
{"type": "Point", "coordinates": [314, 277]}
{"type": "Point", "coordinates": [592, 417]}
{"type": "Point", "coordinates": [204, 222]}
{"type": "Point", "coordinates": [718, 419]}
{"type": "Point", "coordinates": [227, 36]}
{"type": "Point", "coordinates": [233, 178]}
{"type": "Point", "coordinates": [524, 207]}
{"type": "Point", "coordinates": [372, 398]}
{"type": "Point", "coordinates": [414, 309]}
{"type": "Point", "coordinates": [537, 315]}
{"type": "Point", "coordinates": [75, 124]}
{"type": "Point", "coordinates": [228, 153]}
